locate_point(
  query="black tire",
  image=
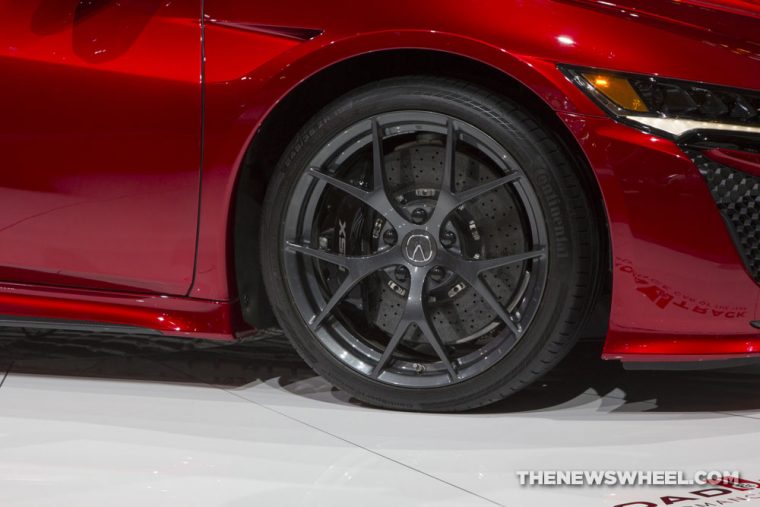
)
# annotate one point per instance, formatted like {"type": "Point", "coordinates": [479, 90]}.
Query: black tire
{"type": "Point", "coordinates": [572, 262]}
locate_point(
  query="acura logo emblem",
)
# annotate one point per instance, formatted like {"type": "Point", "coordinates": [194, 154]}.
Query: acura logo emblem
{"type": "Point", "coordinates": [419, 248]}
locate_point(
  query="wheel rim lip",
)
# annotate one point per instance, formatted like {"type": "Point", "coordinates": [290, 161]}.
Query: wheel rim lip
{"type": "Point", "coordinates": [353, 351]}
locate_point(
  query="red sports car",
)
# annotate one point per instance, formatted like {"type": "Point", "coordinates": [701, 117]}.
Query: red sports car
{"type": "Point", "coordinates": [432, 198]}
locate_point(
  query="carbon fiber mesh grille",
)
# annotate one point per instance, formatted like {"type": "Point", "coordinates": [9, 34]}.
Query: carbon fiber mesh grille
{"type": "Point", "coordinates": [737, 195]}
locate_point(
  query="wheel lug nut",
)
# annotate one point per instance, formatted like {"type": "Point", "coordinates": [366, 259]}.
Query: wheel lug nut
{"type": "Point", "coordinates": [437, 274]}
{"type": "Point", "coordinates": [448, 239]}
{"type": "Point", "coordinates": [419, 216]}
{"type": "Point", "coordinates": [402, 274]}
{"type": "Point", "coordinates": [390, 237]}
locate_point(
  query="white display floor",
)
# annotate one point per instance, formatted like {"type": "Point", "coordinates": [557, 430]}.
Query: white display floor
{"type": "Point", "coordinates": [90, 423]}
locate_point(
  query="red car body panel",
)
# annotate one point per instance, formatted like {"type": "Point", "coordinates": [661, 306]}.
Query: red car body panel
{"type": "Point", "coordinates": [679, 284]}
{"type": "Point", "coordinates": [100, 143]}
{"type": "Point", "coordinates": [680, 288]}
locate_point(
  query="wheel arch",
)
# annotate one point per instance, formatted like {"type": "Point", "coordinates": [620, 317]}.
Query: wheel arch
{"type": "Point", "coordinates": [301, 102]}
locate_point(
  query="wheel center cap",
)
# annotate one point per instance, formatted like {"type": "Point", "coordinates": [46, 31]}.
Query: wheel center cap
{"type": "Point", "coordinates": [419, 248]}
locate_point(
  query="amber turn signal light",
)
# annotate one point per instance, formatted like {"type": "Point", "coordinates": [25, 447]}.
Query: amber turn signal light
{"type": "Point", "coordinates": [618, 90]}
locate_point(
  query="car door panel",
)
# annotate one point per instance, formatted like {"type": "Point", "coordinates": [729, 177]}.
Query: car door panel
{"type": "Point", "coordinates": [100, 125]}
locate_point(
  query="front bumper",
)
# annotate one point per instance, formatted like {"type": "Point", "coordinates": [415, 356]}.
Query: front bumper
{"type": "Point", "coordinates": [682, 290]}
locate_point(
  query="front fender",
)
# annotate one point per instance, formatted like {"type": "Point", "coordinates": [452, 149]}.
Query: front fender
{"type": "Point", "coordinates": [241, 92]}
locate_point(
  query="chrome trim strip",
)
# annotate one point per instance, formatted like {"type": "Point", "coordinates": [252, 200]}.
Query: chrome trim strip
{"type": "Point", "coordinates": [678, 127]}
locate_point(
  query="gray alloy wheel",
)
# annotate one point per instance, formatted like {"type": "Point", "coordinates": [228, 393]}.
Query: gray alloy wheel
{"type": "Point", "coordinates": [408, 246]}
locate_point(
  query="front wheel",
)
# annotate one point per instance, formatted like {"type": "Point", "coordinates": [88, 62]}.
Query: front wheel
{"type": "Point", "coordinates": [428, 246]}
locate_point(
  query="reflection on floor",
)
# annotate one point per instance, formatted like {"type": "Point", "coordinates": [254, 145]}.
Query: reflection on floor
{"type": "Point", "coordinates": [113, 420]}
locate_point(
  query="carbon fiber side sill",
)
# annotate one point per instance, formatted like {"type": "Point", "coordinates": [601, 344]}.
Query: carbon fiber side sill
{"type": "Point", "coordinates": [74, 325]}
{"type": "Point", "coordinates": [692, 365]}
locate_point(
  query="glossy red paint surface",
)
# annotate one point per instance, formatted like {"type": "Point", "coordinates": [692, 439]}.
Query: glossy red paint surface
{"type": "Point", "coordinates": [679, 285]}
{"type": "Point", "coordinates": [100, 143]}
{"type": "Point", "coordinates": [523, 39]}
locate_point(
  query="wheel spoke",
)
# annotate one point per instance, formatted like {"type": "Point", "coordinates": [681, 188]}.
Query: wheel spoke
{"type": "Point", "coordinates": [340, 260]}
{"type": "Point", "coordinates": [376, 198]}
{"type": "Point", "coordinates": [448, 180]}
{"type": "Point", "coordinates": [470, 272]}
{"type": "Point", "coordinates": [379, 200]}
{"type": "Point", "coordinates": [336, 298]}
{"type": "Point", "coordinates": [393, 344]}
{"type": "Point", "coordinates": [487, 294]}
{"type": "Point", "coordinates": [378, 158]}
{"type": "Point", "coordinates": [471, 269]}
{"type": "Point", "coordinates": [449, 201]}
{"type": "Point", "coordinates": [481, 266]}
{"type": "Point", "coordinates": [353, 191]}
{"type": "Point", "coordinates": [438, 346]}
{"type": "Point", "coordinates": [358, 268]}
{"type": "Point", "coordinates": [415, 313]}
{"type": "Point", "coordinates": [468, 195]}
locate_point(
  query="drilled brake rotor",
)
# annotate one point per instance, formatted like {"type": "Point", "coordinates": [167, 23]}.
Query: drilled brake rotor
{"type": "Point", "coordinates": [415, 249]}
{"type": "Point", "coordinates": [486, 227]}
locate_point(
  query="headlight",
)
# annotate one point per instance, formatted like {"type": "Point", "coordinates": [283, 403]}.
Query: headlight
{"type": "Point", "coordinates": [669, 106]}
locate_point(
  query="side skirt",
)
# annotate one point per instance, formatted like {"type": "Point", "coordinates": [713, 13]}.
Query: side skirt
{"type": "Point", "coordinates": [74, 325]}
{"type": "Point", "coordinates": [146, 314]}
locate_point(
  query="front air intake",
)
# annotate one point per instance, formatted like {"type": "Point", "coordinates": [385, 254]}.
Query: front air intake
{"type": "Point", "coordinates": [737, 195]}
